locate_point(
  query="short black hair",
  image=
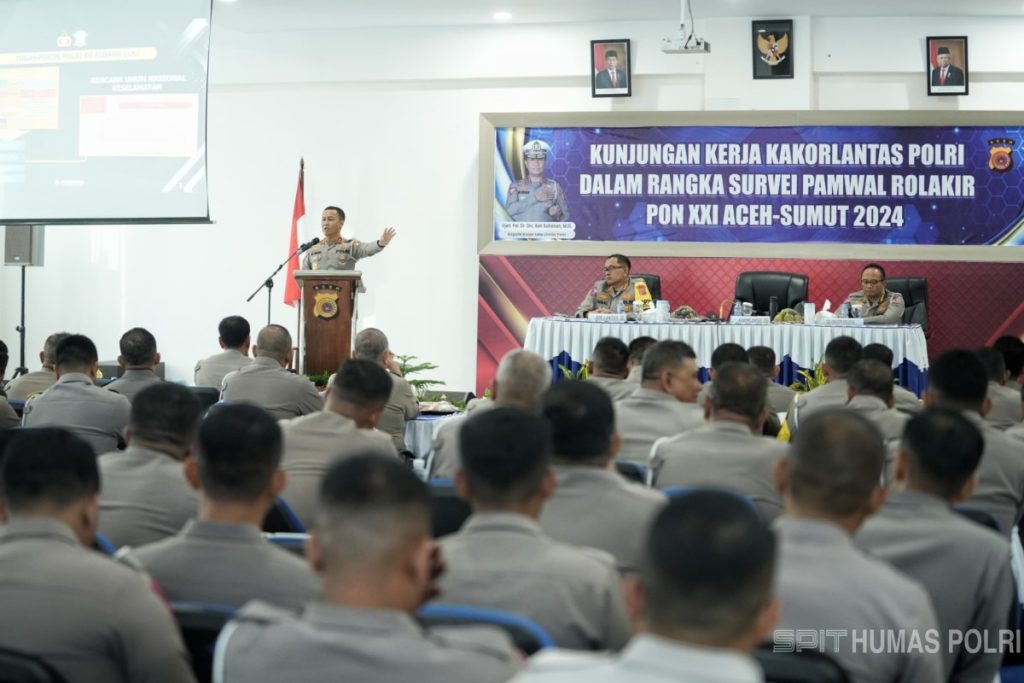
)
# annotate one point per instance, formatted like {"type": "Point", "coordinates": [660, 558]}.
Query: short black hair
{"type": "Point", "coordinates": [76, 352]}
{"type": "Point", "coordinates": [835, 462]}
{"type": "Point", "coordinates": [341, 214]}
{"type": "Point", "coordinates": [871, 378]}
{"type": "Point", "coordinates": [138, 347]}
{"type": "Point", "coordinates": [739, 388]}
{"type": "Point", "coordinates": [638, 347]}
{"type": "Point", "coordinates": [958, 380]}
{"type": "Point", "coordinates": [505, 453]}
{"type": "Point", "coordinates": [239, 451]}
{"type": "Point", "coordinates": [362, 383]}
{"type": "Point", "coordinates": [611, 53]}
{"type": "Point", "coordinates": [665, 355]}
{"type": "Point", "coordinates": [708, 565]}
{"type": "Point", "coordinates": [233, 331]}
{"type": "Point", "coordinates": [995, 364]}
{"type": "Point", "coordinates": [1012, 349]}
{"type": "Point", "coordinates": [942, 448]}
{"type": "Point", "coordinates": [727, 353]}
{"type": "Point", "coordinates": [841, 353]}
{"type": "Point", "coordinates": [623, 260]}
{"type": "Point", "coordinates": [582, 421]}
{"type": "Point", "coordinates": [610, 355]}
{"type": "Point", "coordinates": [165, 412]}
{"type": "Point", "coordinates": [879, 352]}
{"type": "Point", "coordinates": [47, 466]}
{"type": "Point", "coordinates": [763, 358]}
{"type": "Point", "coordinates": [877, 267]}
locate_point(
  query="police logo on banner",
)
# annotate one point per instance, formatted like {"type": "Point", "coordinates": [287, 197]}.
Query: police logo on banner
{"type": "Point", "coordinates": [1000, 154]}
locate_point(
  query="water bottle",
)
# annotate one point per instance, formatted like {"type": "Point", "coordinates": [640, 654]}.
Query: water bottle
{"type": "Point", "coordinates": [773, 307]}
{"type": "Point", "coordinates": [737, 309]}
{"type": "Point", "coordinates": [620, 306]}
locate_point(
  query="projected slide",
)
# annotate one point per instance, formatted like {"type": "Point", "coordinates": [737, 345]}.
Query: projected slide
{"type": "Point", "coordinates": [103, 111]}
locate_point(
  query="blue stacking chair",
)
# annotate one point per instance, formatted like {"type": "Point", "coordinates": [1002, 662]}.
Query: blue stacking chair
{"type": "Point", "coordinates": [799, 667]}
{"type": "Point", "coordinates": [295, 543]}
{"type": "Point", "coordinates": [672, 491]}
{"type": "Point", "coordinates": [527, 635]}
{"type": "Point", "coordinates": [281, 518]}
{"type": "Point", "coordinates": [200, 623]}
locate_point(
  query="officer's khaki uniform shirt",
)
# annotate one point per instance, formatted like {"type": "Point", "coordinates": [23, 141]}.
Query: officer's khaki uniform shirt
{"type": "Point", "coordinates": [722, 454]}
{"type": "Point", "coordinates": [889, 421]}
{"type": "Point", "coordinates": [601, 295]}
{"type": "Point", "coordinates": [616, 388]}
{"type": "Point", "coordinates": [335, 643]}
{"type": "Point", "coordinates": [599, 508]}
{"type": "Point", "coordinates": [1006, 405]}
{"type": "Point", "coordinates": [311, 444]}
{"type": "Point", "coordinates": [401, 407]}
{"type": "Point", "coordinates": [445, 455]}
{"type": "Point", "coordinates": [210, 372]}
{"type": "Point", "coordinates": [267, 384]}
{"type": "Point", "coordinates": [646, 659]}
{"type": "Point", "coordinates": [26, 386]}
{"type": "Point", "coordinates": [906, 400]}
{"type": "Point", "coordinates": [888, 310]}
{"type": "Point", "coordinates": [779, 397]}
{"type": "Point", "coordinates": [647, 415]}
{"type": "Point", "coordinates": [505, 561]}
{"type": "Point", "coordinates": [145, 496]}
{"type": "Point", "coordinates": [92, 619]}
{"type": "Point", "coordinates": [75, 403]}
{"type": "Point", "coordinates": [963, 566]}
{"type": "Point", "coordinates": [1000, 488]}
{"type": "Point", "coordinates": [228, 564]}
{"type": "Point", "coordinates": [339, 255]}
{"type": "Point", "coordinates": [824, 582]}
{"type": "Point", "coordinates": [132, 382]}
{"type": "Point", "coordinates": [830, 395]}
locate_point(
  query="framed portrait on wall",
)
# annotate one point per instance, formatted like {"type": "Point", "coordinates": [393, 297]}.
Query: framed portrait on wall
{"type": "Point", "coordinates": [947, 65]}
{"type": "Point", "coordinates": [772, 44]}
{"type": "Point", "coordinates": [611, 69]}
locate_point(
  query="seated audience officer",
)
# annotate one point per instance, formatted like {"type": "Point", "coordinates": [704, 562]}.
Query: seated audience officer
{"type": "Point", "coordinates": [840, 355]}
{"type": "Point", "coordinates": [75, 403]}
{"type": "Point", "coordinates": [372, 548]}
{"type": "Point", "coordinates": [637, 348]}
{"type": "Point", "coordinates": [138, 357]}
{"type": "Point", "coordinates": [222, 557]}
{"type": "Point", "coordinates": [234, 339]}
{"type": "Point", "coordinates": [779, 395]}
{"type": "Point", "coordinates": [964, 567]}
{"type": "Point", "coordinates": [906, 400]}
{"type": "Point", "coordinates": [592, 504]}
{"type": "Point", "coordinates": [831, 483]}
{"type": "Point", "coordinates": [502, 559]}
{"type": "Point", "coordinates": [702, 602]}
{"type": "Point", "coordinates": [84, 614]}
{"type": "Point", "coordinates": [607, 367]}
{"type": "Point", "coordinates": [371, 344]}
{"type": "Point", "coordinates": [145, 494]}
{"type": "Point", "coordinates": [8, 417]}
{"type": "Point", "coordinates": [1005, 409]}
{"type": "Point", "coordinates": [723, 353]}
{"type": "Point", "coordinates": [869, 386]}
{"type": "Point", "coordinates": [28, 385]}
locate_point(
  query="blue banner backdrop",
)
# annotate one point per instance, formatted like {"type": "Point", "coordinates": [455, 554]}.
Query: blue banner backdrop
{"type": "Point", "coordinates": [846, 184]}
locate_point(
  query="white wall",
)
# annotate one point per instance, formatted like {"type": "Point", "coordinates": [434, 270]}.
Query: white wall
{"type": "Point", "coordinates": [387, 120]}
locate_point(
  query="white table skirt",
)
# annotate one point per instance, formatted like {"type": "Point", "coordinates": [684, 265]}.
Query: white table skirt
{"type": "Point", "coordinates": [804, 344]}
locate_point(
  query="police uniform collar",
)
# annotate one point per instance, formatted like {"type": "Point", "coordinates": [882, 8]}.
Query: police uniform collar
{"type": "Point", "coordinates": [867, 403]}
{"type": "Point", "coordinates": [37, 527]}
{"type": "Point", "coordinates": [502, 521]}
{"type": "Point", "coordinates": [811, 531]}
{"type": "Point", "coordinates": [75, 378]}
{"type": "Point", "coordinates": [268, 362]}
{"type": "Point", "coordinates": [917, 502]}
{"type": "Point", "coordinates": [719, 425]}
{"type": "Point", "coordinates": [369, 620]}
{"type": "Point", "coordinates": [649, 651]}
{"type": "Point", "coordinates": [222, 532]}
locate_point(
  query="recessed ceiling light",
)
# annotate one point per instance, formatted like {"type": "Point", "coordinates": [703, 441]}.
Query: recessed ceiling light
{"type": "Point", "coordinates": [502, 16]}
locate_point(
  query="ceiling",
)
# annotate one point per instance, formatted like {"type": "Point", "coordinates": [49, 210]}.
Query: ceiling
{"type": "Point", "coordinates": [258, 16]}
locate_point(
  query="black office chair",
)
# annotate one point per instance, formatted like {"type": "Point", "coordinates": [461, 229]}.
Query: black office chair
{"type": "Point", "coordinates": [200, 624]}
{"type": "Point", "coordinates": [798, 667]}
{"type": "Point", "coordinates": [632, 470]}
{"type": "Point", "coordinates": [528, 636]}
{"type": "Point", "coordinates": [915, 296]}
{"type": "Point", "coordinates": [19, 667]}
{"type": "Point", "coordinates": [207, 396]}
{"type": "Point", "coordinates": [757, 288]}
{"type": "Point", "coordinates": [282, 519]}
{"type": "Point", "coordinates": [653, 284]}
{"type": "Point", "coordinates": [449, 512]}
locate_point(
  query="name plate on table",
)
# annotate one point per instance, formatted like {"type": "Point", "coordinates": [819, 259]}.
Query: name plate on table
{"type": "Point", "coordinates": [751, 320]}
{"type": "Point", "coordinates": [846, 322]}
{"type": "Point", "coordinates": [607, 317]}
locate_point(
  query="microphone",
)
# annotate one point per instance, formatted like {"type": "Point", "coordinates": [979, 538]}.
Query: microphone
{"type": "Point", "coordinates": [307, 245]}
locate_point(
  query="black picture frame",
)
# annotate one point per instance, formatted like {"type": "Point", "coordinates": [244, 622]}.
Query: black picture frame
{"type": "Point", "coordinates": [600, 76]}
{"type": "Point", "coordinates": [772, 48]}
{"type": "Point", "coordinates": [958, 71]}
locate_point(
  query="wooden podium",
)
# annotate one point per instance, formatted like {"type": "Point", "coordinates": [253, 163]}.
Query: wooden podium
{"type": "Point", "coordinates": [328, 307]}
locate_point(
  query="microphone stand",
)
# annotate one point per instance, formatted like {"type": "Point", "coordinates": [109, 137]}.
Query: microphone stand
{"type": "Point", "coordinates": [269, 282]}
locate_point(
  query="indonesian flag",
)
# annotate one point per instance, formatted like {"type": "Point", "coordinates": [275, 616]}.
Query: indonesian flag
{"type": "Point", "coordinates": [291, 287]}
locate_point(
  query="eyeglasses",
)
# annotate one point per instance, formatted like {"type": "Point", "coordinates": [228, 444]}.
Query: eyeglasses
{"type": "Point", "coordinates": [871, 282]}
{"type": "Point", "coordinates": [609, 269]}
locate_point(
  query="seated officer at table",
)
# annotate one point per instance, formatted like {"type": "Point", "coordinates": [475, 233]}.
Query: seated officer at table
{"type": "Point", "coordinates": [605, 295]}
{"type": "Point", "coordinates": [876, 304]}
